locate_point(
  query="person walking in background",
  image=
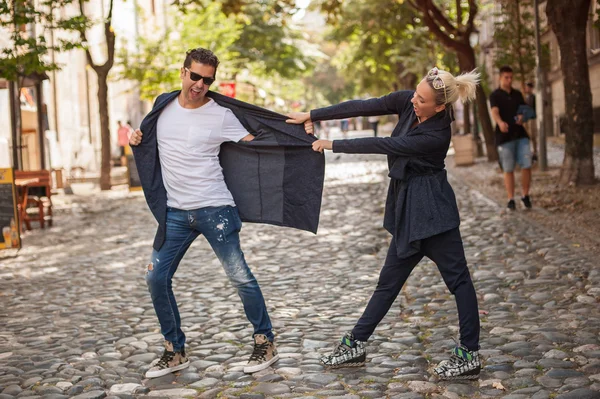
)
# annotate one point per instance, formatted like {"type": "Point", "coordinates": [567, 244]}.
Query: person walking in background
{"type": "Point", "coordinates": [374, 121]}
{"type": "Point", "coordinates": [123, 140]}
{"type": "Point", "coordinates": [531, 123]}
{"type": "Point", "coordinates": [421, 211]}
{"type": "Point", "coordinates": [344, 127]}
{"type": "Point", "coordinates": [511, 137]}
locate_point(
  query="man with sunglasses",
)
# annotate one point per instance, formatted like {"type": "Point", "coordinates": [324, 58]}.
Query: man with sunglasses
{"type": "Point", "coordinates": [188, 130]}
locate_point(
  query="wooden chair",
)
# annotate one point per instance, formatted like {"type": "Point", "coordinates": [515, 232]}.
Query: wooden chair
{"type": "Point", "coordinates": [36, 194]}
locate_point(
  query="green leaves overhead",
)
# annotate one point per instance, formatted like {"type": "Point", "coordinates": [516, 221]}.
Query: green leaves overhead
{"type": "Point", "coordinates": [156, 63]}
{"type": "Point", "coordinates": [246, 36]}
{"type": "Point", "coordinates": [515, 38]}
{"type": "Point", "coordinates": [385, 45]}
{"type": "Point", "coordinates": [28, 49]}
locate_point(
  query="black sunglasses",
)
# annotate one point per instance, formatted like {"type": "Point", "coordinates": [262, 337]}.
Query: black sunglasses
{"type": "Point", "coordinates": [195, 77]}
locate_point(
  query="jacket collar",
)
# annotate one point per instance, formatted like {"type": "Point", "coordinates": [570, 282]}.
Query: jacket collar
{"type": "Point", "coordinates": [439, 121]}
{"type": "Point", "coordinates": [162, 101]}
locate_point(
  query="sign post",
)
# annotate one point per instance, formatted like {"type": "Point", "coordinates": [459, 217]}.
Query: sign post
{"type": "Point", "coordinates": [227, 89]}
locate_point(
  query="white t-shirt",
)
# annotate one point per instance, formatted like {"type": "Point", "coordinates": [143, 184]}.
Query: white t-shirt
{"type": "Point", "coordinates": [188, 147]}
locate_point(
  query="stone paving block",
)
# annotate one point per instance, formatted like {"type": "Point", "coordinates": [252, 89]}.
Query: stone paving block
{"type": "Point", "coordinates": [538, 296]}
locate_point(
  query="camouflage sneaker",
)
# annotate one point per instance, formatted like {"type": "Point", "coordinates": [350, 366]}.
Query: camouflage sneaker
{"type": "Point", "coordinates": [169, 362]}
{"type": "Point", "coordinates": [347, 353]}
{"type": "Point", "coordinates": [264, 354]}
{"type": "Point", "coordinates": [462, 365]}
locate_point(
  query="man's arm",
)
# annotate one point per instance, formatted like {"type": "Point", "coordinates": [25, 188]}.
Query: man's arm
{"type": "Point", "coordinates": [496, 116]}
{"type": "Point", "coordinates": [248, 137]}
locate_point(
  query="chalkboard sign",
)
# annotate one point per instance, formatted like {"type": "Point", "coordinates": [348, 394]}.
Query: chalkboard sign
{"type": "Point", "coordinates": [132, 174]}
{"type": "Point", "coordinates": [9, 218]}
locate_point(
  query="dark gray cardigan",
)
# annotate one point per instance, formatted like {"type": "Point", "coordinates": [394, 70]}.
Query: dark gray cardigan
{"type": "Point", "coordinates": [420, 201]}
{"type": "Point", "coordinates": [276, 178]}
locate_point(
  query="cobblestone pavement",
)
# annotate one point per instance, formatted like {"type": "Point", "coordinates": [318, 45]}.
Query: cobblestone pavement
{"type": "Point", "coordinates": [76, 319]}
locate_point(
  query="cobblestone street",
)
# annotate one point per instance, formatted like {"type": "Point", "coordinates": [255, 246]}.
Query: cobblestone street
{"type": "Point", "coordinates": [76, 319]}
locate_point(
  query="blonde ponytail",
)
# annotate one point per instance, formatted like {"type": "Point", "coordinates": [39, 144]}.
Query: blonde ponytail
{"type": "Point", "coordinates": [466, 85]}
{"type": "Point", "coordinates": [462, 87]}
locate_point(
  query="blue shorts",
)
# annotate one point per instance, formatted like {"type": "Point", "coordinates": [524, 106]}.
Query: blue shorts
{"type": "Point", "coordinates": [516, 151]}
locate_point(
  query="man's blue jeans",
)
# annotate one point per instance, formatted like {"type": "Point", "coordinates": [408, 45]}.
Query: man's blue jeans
{"type": "Point", "coordinates": [221, 227]}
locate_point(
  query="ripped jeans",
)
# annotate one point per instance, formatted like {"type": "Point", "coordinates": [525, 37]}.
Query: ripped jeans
{"type": "Point", "coordinates": [221, 226]}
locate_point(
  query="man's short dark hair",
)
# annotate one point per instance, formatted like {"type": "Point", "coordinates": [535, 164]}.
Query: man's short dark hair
{"type": "Point", "coordinates": [529, 84]}
{"type": "Point", "coordinates": [505, 69]}
{"type": "Point", "coordinates": [201, 56]}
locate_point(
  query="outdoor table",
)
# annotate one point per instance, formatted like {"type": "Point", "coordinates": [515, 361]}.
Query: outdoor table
{"type": "Point", "coordinates": [22, 192]}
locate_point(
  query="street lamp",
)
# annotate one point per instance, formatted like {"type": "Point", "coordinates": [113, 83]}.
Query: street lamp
{"type": "Point", "coordinates": [540, 90]}
{"type": "Point", "coordinates": [474, 42]}
{"type": "Point", "coordinates": [474, 38]}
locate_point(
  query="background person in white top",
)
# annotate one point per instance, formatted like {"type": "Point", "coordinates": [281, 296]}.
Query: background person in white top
{"type": "Point", "coordinates": [190, 131]}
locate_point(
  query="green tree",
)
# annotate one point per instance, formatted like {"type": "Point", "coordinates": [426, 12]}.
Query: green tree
{"type": "Point", "coordinates": [245, 36]}
{"type": "Point", "coordinates": [29, 24]}
{"type": "Point", "coordinates": [155, 66]}
{"type": "Point", "coordinates": [382, 47]}
{"type": "Point", "coordinates": [453, 23]}
{"type": "Point", "coordinates": [515, 38]}
{"type": "Point", "coordinates": [416, 34]}
{"type": "Point", "coordinates": [267, 44]}
{"type": "Point", "coordinates": [328, 85]}
{"type": "Point", "coordinates": [102, 70]}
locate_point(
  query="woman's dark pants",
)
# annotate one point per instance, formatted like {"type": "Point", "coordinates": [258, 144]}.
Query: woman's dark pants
{"type": "Point", "coordinates": [446, 251]}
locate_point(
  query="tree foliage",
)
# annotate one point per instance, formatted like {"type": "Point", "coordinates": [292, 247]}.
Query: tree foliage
{"type": "Point", "coordinates": [244, 35]}
{"type": "Point", "coordinates": [383, 46]}
{"type": "Point", "coordinates": [157, 62]}
{"type": "Point", "coordinates": [29, 25]}
{"type": "Point", "coordinates": [514, 37]}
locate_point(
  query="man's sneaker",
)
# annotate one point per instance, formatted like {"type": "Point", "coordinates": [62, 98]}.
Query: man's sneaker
{"type": "Point", "coordinates": [347, 353]}
{"type": "Point", "coordinates": [263, 356]}
{"type": "Point", "coordinates": [511, 206]}
{"type": "Point", "coordinates": [462, 365]}
{"type": "Point", "coordinates": [526, 201]}
{"type": "Point", "coordinates": [169, 362]}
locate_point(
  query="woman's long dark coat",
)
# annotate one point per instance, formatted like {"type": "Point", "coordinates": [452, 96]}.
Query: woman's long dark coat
{"type": "Point", "coordinates": [420, 201]}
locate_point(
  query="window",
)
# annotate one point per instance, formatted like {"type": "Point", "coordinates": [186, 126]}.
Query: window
{"type": "Point", "coordinates": [554, 53]}
{"type": "Point", "coordinates": [593, 31]}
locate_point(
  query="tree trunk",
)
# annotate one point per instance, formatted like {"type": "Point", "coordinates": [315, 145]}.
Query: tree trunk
{"type": "Point", "coordinates": [578, 165]}
{"type": "Point", "coordinates": [476, 136]}
{"type": "Point", "coordinates": [486, 125]}
{"type": "Point", "coordinates": [466, 62]}
{"type": "Point", "coordinates": [102, 74]}
{"type": "Point", "coordinates": [104, 131]}
{"type": "Point", "coordinates": [467, 118]}
{"type": "Point", "coordinates": [522, 76]}
{"type": "Point", "coordinates": [16, 124]}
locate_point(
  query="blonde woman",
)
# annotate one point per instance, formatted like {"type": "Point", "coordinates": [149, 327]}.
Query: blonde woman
{"type": "Point", "coordinates": [421, 212]}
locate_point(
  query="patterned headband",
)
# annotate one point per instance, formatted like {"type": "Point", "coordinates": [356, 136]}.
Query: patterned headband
{"type": "Point", "coordinates": [437, 82]}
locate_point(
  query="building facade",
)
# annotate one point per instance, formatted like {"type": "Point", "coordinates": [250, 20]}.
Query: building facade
{"type": "Point", "coordinates": [70, 111]}
{"type": "Point", "coordinates": [554, 108]}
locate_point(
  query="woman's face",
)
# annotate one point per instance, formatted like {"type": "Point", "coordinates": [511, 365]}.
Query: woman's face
{"type": "Point", "coordinates": [424, 101]}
